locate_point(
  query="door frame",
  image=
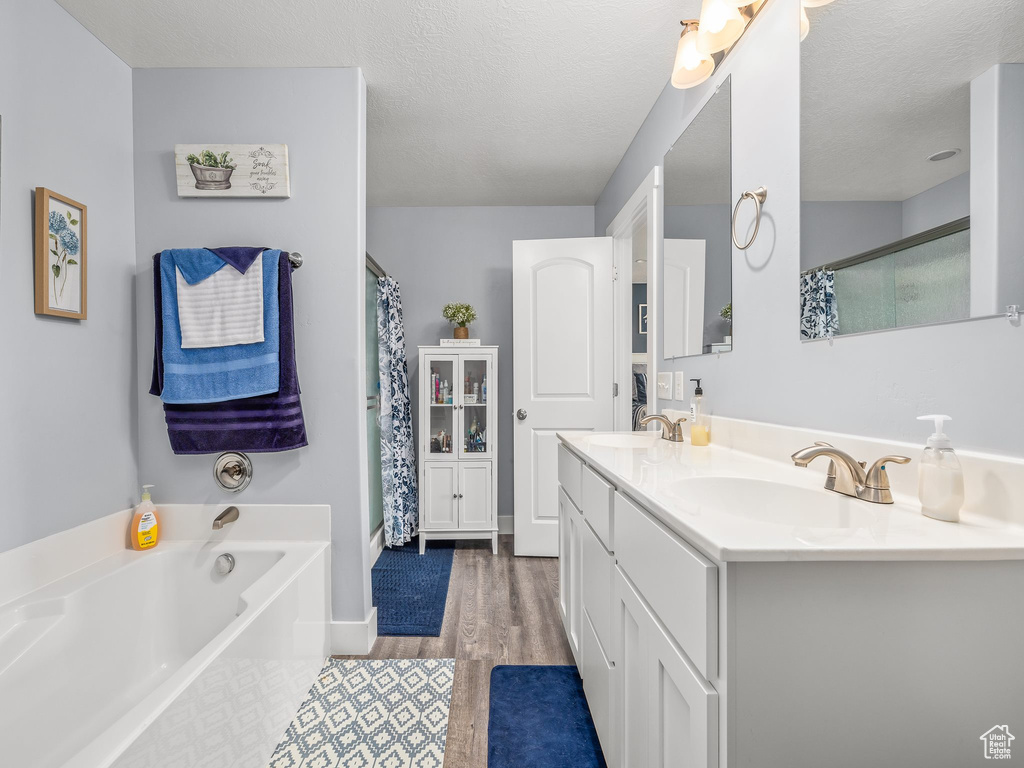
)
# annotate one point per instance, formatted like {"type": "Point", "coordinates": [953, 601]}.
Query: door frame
{"type": "Point", "coordinates": [645, 202]}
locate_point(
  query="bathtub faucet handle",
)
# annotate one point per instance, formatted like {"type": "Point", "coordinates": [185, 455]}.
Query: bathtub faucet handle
{"type": "Point", "coordinates": [229, 515]}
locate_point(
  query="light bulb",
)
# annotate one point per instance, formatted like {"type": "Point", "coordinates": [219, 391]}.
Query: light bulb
{"type": "Point", "coordinates": [721, 25]}
{"type": "Point", "coordinates": [805, 24]}
{"type": "Point", "coordinates": [691, 66]}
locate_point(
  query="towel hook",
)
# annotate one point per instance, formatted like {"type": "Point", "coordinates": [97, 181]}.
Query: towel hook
{"type": "Point", "coordinates": [759, 195]}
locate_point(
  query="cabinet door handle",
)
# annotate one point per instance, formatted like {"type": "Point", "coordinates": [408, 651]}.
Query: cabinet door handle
{"type": "Point", "coordinates": [455, 495]}
{"type": "Point", "coordinates": [521, 414]}
{"type": "Point", "coordinates": [460, 495]}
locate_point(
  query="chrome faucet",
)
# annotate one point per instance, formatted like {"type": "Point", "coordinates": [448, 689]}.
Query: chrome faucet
{"type": "Point", "coordinates": [670, 430]}
{"type": "Point", "coordinates": [848, 476]}
{"type": "Point", "coordinates": [229, 515]}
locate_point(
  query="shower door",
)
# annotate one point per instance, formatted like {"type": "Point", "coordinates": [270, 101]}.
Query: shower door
{"type": "Point", "coordinates": [373, 403]}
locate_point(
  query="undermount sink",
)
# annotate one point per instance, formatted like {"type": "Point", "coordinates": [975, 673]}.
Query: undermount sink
{"type": "Point", "coordinates": [775, 503]}
{"type": "Point", "coordinates": [625, 440]}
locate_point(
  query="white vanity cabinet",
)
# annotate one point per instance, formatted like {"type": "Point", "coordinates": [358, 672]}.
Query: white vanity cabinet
{"type": "Point", "coordinates": [742, 656]}
{"type": "Point", "coordinates": [458, 434]}
{"type": "Point", "coordinates": [650, 702]}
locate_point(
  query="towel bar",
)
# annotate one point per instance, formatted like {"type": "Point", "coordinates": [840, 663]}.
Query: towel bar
{"type": "Point", "coordinates": [296, 259]}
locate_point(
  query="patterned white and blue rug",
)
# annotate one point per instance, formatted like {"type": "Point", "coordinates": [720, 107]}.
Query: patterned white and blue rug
{"type": "Point", "coordinates": [372, 714]}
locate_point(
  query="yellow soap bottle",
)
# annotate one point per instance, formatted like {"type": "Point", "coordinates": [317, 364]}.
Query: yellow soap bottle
{"type": "Point", "coordinates": [700, 424]}
{"type": "Point", "coordinates": [145, 529]}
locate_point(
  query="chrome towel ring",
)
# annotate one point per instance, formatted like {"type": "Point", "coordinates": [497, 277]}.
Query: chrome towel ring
{"type": "Point", "coordinates": [759, 195]}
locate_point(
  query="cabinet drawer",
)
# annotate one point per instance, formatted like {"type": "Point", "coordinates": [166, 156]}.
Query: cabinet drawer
{"type": "Point", "coordinates": [597, 501]}
{"type": "Point", "coordinates": [679, 583]}
{"type": "Point", "coordinates": [596, 671]}
{"type": "Point", "coordinates": [597, 574]}
{"type": "Point", "coordinates": [569, 470]}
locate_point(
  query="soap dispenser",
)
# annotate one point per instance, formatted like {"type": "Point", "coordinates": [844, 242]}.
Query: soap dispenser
{"type": "Point", "coordinates": [145, 527]}
{"type": "Point", "coordinates": [941, 479]}
{"type": "Point", "coordinates": [700, 424]}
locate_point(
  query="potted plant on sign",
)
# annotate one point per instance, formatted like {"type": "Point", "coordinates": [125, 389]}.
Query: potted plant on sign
{"type": "Point", "coordinates": [211, 171]}
{"type": "Point", "coordinates": [461, 315]}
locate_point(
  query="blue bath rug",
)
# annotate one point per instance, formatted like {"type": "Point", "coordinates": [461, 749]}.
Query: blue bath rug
{"type": "Point", "coordinates": [372, 713]}
{"type": "Point", "coordinates": [539, 718]}
{"type": "Point", "coordinates": [410, 589]}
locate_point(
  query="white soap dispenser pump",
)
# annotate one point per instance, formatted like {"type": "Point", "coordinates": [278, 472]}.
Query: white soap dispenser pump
{"type": "Point", "coordinates": [940, 479]}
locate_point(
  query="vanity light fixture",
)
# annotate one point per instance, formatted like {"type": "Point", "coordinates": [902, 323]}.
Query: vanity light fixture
{"type": "Point", "coordinates": [691, 67]}
{"type": "Point", "coordinates": [721, 25]}
{"type": "Point", "coordinates": [805, 23]}
{"type": "Point", "coordinates": [944, 155]}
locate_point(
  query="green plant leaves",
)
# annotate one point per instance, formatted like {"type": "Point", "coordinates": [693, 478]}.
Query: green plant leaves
{"type": "Point", "coordinates": [72, 261]}
{"type": "Point", "coordinates": [53, 237]}
{"type": "Point", "coordinates": [74, 222]}
{"type": "Point", "coordinates": [56, 269]}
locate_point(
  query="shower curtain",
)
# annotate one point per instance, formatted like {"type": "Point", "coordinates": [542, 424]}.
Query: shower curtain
{"type": "Point", "coordinates": [819, 314]}
{"type": "Point", "coordinates": [397, 448]}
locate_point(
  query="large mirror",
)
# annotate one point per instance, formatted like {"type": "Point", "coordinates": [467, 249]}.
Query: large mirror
{"type": "Point", "coordinates": [912, 146]}
{"type": "Point", "coordinates": [697, 253]}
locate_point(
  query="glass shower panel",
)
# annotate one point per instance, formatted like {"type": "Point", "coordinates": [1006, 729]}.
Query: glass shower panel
{"type": "Point", "coordinates": [866, 296]}
{"type": "Point", "coordinates": [373, 405]}
{"type": "Point", "coordinates": [933, 281]}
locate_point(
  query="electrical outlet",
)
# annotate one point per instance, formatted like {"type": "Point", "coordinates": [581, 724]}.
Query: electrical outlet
{"type": "Point", "coordinates": [665, 385]}
{"type": "Point", "coordinates": [680, 393]}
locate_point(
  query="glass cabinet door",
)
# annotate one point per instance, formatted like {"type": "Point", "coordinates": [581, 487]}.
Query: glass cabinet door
{"type": "Point", "coordinates": [476, 414]}
{"type": "Point", "coordinates": [439, 379]}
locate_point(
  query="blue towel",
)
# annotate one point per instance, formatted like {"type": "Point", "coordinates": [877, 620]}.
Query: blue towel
{"type": "Point", "coordinates": [216, 374]}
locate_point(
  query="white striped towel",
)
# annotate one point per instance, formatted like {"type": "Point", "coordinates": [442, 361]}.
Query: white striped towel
{"type": "Point", "coordinates": [224, 309]}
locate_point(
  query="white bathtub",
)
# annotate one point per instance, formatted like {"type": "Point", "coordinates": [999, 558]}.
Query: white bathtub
{"type": "Point", "coordinates": [153, 659]}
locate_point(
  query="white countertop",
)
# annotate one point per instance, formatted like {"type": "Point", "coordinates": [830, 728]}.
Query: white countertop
{"type": "Point", "coordinates": [851, 529]}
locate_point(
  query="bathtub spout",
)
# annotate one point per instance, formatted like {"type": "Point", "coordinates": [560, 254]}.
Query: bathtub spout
{"type": "Point", "coordinates": [229, 515]}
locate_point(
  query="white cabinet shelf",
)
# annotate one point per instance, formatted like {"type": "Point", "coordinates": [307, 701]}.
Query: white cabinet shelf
{"type": "Point", "coordinates": [458, 434]}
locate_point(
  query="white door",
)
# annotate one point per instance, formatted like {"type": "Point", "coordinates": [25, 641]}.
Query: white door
{"type": "Point", "coordinates": [441, 495]}
{"type": "Point", "coordinates": [563, 375]}
{"type": "Point", "coordinates": [475, 495]}
{"type": "Point", "coordinates": [684, 291]}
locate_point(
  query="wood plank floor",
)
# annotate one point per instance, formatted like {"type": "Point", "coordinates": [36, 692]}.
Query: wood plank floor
{"type": "Point", "coordinates": [501, 609]}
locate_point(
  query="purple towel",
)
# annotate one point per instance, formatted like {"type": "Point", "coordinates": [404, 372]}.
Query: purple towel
{"type": "Point", "coordinates": [262, 424]}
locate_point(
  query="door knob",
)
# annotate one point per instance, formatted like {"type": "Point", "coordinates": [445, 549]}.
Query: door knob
{"type": "Point", "coordinates": [521, 414]}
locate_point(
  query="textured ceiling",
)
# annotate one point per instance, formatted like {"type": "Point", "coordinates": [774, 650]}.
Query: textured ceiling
{"type": "Point", "coordinates": [482, 102]}
{"type": "Point", "coordinates": [886, 83]}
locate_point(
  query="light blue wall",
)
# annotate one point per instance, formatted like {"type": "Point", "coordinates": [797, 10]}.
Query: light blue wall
{"type": "Point", "coordinates": [320, 115]}
{"type": "Point", "coordinates": [465, 254]}
{"type": "Point", "coordinates": [67, 410]}
{"type": "Point", "coordinates": [874, 384]}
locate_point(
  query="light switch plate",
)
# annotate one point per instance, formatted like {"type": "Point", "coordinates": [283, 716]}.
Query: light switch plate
{"type": "Point", "coordinates": [665, 384]}
{"type": "Point", "coordinates": [680, 393]}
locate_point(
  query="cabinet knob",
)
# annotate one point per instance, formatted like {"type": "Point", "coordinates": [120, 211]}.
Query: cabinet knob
{"type": "Point", "coordinates": [521, 414]}
{"type": "Point", "coordinates": [460, 495]}
{"type": "Point", "coordinates": [455, 495]}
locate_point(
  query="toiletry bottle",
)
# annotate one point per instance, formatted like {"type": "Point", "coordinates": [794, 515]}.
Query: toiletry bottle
{"type": "Point", "coordinates": [700, 424]}
{"type": "Point", "coordinates": [145, 529]}
{"type": "Point", "coordinates": [940, 483]}
{"type": "Point", "coordinates": [484, 388]}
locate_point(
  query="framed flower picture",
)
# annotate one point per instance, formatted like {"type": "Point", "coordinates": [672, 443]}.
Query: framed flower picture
{"type": "Point", "coordinates": [60, 255]}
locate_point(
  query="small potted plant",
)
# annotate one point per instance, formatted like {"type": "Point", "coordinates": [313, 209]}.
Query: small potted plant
{"type": "Point", "coordinates": [212, 171]}
{"type": "Point", "coordinates": [461, 315]}
{"type": "Point", "coordinates": [726, 314]}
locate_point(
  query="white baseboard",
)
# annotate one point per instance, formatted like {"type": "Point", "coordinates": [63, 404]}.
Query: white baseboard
{"type": "Point", "coordinates": [354, 638]}
{"type": "Point", "coordinates": [506, 524]}
{"type": "Point", "coordinates": [376, 543]}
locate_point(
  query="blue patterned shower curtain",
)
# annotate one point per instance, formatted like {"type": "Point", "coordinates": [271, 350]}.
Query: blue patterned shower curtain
{"type": "Point", "coordinates": [819, 313]}
{"type": "Point", "coordinates": [397, 446]}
